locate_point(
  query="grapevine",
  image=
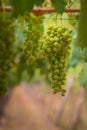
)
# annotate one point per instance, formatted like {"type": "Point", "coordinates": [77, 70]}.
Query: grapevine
{"type": "Point", "coordinates": [7, 38]}
{"type": "Point", "coordinates": [56, 50]}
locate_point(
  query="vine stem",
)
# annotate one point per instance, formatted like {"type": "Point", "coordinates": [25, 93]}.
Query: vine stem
{"type": "Point", "coordinates": [71, 3]}
{"type": "Point", "coordinates": [42, 10]}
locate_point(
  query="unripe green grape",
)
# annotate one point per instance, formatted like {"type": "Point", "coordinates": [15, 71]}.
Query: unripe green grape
{"type": "Point", "coordinates": [56, 71]}
{"type": "Point", "coordinates": [56, 90]}
{"type": "Point", "coordinates": [55, 49]}
{"type": "Point", "coordinates": [55, 77]}
{"type": "Point", "coordinates": [63, 93]}
{"type": "Point", "coordinates": [56, 45]}
{"type": "Point", "coordinates": [56, 67]}
{"type": "Point", "coordinates": [64, 90]}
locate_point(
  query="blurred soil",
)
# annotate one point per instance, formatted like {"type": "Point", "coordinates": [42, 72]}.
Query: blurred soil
{"type": "Point", "coordinates": [34, 107]}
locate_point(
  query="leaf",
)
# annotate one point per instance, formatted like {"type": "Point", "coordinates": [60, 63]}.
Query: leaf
{"type": "Point", "coordinates": [20, 6]}
{"type": "Point", "coordinates": [38, 2]}
{"type": "Point", "coordinates": [29, 4]}
{"type": "Point", "coordinates": [82, 26]}
{"type": "Point", "coordinates": [59, 5]}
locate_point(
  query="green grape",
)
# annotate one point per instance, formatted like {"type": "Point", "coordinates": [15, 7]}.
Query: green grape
{"type": "Point", "coordinates": [63, 93]}
{"type": "Point", "coordinates": [55, 48]}
{"type": "Point", "coordinates": [7, 39]}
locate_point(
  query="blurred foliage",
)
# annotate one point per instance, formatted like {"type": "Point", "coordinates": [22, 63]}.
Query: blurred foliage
{"type": "Point", "coordinates": [83, 76]}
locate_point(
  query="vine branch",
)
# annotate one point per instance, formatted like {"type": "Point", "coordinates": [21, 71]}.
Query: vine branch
{"type": "Point", "coordinates": [41, 10]}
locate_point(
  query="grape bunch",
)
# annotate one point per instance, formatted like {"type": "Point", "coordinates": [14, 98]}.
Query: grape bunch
{"type": "Point", "coordinates": [56, 50]}
{"type": "Point", "coordinates": [32, 35]}
{"type": "Point", "coordinates": [7, 38]}
{"type": "Point", "coordinates": [30, 49]}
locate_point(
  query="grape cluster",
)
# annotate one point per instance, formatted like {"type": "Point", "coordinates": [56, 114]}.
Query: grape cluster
{"type": "Point", "coordinates": [56, 49]}
{"type": "Point", "coordinates": [30, 49]}
{"type": "Point", "coordinates": [7, 38]}
{"type": "Point", "coordinates": [32, 35]}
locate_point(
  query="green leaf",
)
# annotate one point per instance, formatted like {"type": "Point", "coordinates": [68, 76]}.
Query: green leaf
{"type": "Point", "coordinates": [82, 26]}
{"type": "Point", "coordinates": [59, 5]}
{"type": "Point", "coordinates": [20, 6]}
{"type": "Point", "coordinates": [38, 2]}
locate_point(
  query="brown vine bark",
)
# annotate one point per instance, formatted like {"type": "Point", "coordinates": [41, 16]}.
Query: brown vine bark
{"type": "Point", "coordinates": [40, 11]}
{"type": "Point", "coordinates": [6, 9]}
